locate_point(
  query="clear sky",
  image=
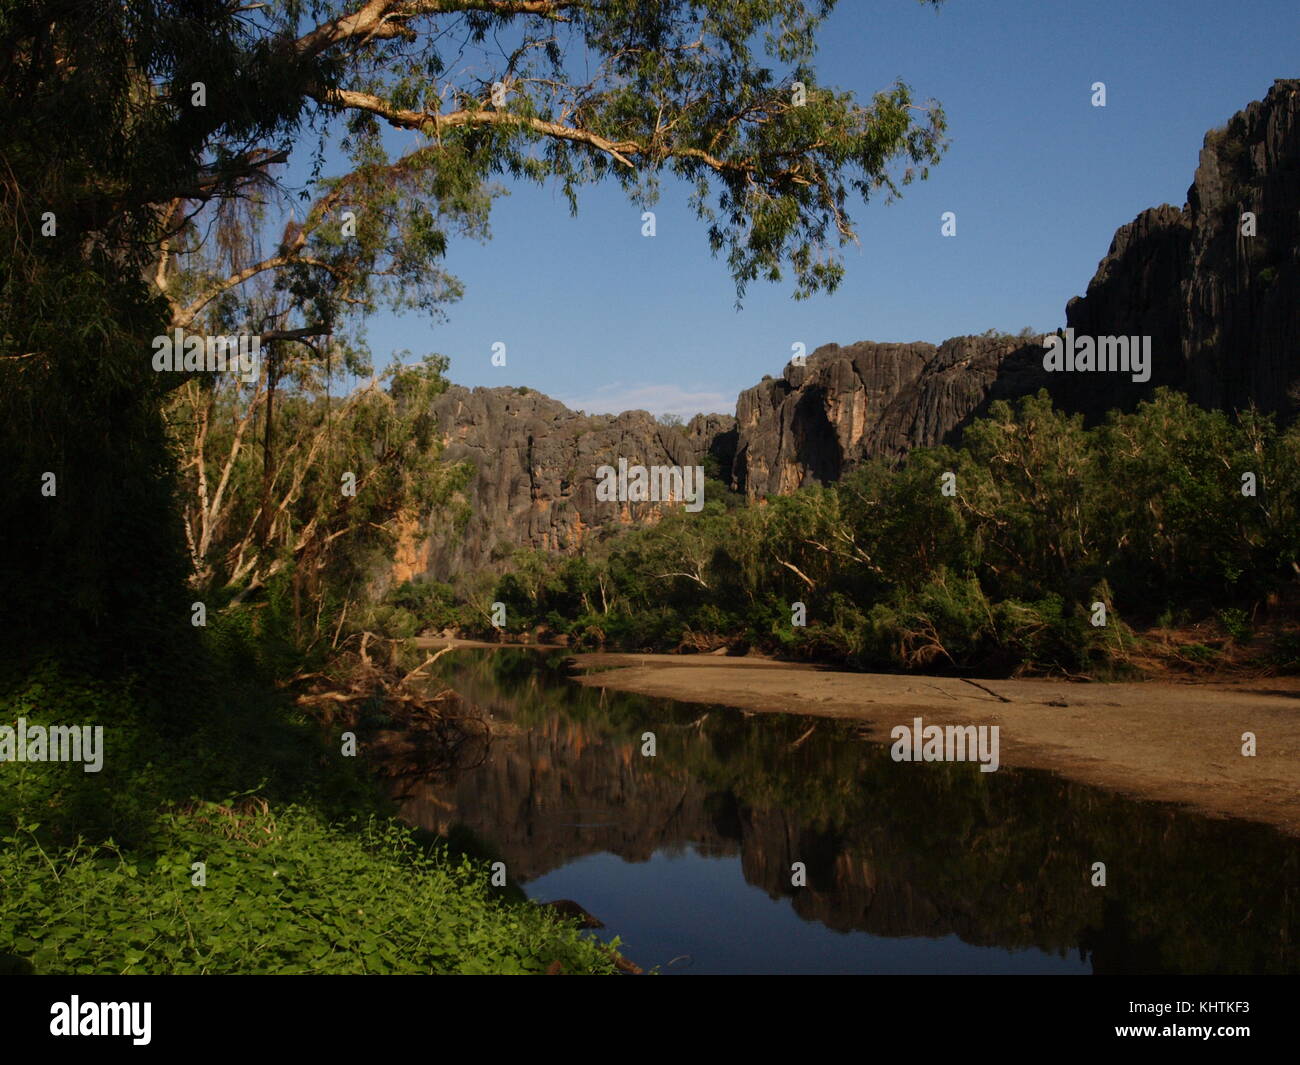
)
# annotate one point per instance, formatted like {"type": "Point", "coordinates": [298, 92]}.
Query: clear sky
{"type": "Point", "coordinates": [605, 319]}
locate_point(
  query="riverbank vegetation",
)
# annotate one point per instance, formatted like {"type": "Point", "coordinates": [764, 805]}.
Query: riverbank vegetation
{"type": "Point", "coordinates": [1058, 545]}
{"type": "Point", "coordinates": [237, 839]}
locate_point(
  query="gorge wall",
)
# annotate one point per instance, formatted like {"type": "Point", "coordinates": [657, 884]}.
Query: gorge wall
{"type": "Point", "coordinates": [1218, 291]}
{"type": "Point", "coordinates": [534, 479]}
{"type": "Point", "coordinates": [1215, 288]}
{"type": "Point", "coordinates": [846, 405]}
{"type": "Point", "coordinates": [1222, 310]}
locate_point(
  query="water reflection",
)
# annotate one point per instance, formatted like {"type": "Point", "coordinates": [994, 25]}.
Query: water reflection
{"type": "Point", "coordinates": [910, 867]}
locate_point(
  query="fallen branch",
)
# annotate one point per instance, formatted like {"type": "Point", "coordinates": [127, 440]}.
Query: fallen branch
{"type": "Point", "coordinates": [430, 660]}
{"type": "Point", "coordinates": [999, 698]}
{"type": "Point", "coordinates": [811, 729]}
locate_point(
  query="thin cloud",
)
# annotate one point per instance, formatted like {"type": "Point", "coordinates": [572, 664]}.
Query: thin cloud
{"type": "Point", "coordinates": [657, 399]}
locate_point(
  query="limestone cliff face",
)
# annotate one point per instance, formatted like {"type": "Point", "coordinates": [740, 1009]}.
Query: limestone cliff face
{"type": "Point", "coordinates": [535, 463]}
{"type": "Point", "coordinates": [1222, 306]}
{"type": "Point", "coordinates": [845, 405]}
{"type": "Point", "coordinates": [1222, 309]}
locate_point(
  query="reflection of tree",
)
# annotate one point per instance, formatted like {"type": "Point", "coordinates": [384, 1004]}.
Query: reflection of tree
{"type": "Point", "coordinates": [1117, 946]}
{"type": "Point", "coordinates": [456, 741]}
{"type": "Point", "coordinates": [408, 729]}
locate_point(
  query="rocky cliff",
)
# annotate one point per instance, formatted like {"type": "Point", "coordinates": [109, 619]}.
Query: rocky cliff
{"type": "Point", "coordinates": [1214, 284]}
{"type": "Point", "coordinates": [845, 405]}
{"type": "Point", "coordinates": [1217, 283]}
{"type": "Point", "coordinates": [534, 471]}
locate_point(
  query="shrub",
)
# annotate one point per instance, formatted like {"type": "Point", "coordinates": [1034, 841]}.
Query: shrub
{"type": "Point", "coordinates": [284, 893]}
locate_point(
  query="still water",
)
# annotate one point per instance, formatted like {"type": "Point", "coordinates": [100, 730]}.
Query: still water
{"type": "Point", "coordinates": [687, 856]}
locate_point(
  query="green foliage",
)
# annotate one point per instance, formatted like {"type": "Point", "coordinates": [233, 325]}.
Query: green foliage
{"type": "Point", "coordinates": [172, 487]}
{"type": "Point", "coordinates": [1143, 513]}
{"type": "Point", "coordinates": [284, 893]}
{"type": "Point", "coordinates": [95, 868]}
{"type": "Point", "coordinates": [703, 92]}
{"type": "Point", "coordinates": [1237, 623]}
{"type": "Point", "coordinates": [162, 208]}
{"type": "Point", "coordinates": [430, 604]}
{"type": "Point", "coordinates": [97, 139]}
{"type": "Point", "coordinates": [1286, 651]}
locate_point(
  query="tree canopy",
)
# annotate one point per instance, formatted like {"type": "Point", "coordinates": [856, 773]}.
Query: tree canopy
{"type": "Point", "coordinates": [145, 187]}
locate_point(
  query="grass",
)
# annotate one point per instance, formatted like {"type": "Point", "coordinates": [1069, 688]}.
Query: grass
{"type": "Point", "coordinates": [280, 892]}
{"type": "Point", "coordinates": [303, 870]}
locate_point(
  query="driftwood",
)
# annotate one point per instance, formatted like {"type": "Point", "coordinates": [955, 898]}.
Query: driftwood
{"type": "Point", "coordinates": [408, 730]}
{"type": "Point", "coordinates": [570, 909]}
{"type": "Point", "coordinates": [975, 684]}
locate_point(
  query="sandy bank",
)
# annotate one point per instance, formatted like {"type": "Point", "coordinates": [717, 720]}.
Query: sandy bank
{"type": "Point", "coordinates": [1160, 741]}
{"type": "Point", "coordinates": [429, 642]}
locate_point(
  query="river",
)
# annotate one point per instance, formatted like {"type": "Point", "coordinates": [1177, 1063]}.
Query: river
{"type": "Point", "coordinates": [689, 856]}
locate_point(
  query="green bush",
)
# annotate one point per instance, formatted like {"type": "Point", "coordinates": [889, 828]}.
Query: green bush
{"type": "Point", "coordinates": [1145, 513]}
{"type": "Point", "coordinates": [1237, 623]}
{"type": "Point", "coordinates": [284, 892]}
{"type": "Point", "coordinates": [95, 868]}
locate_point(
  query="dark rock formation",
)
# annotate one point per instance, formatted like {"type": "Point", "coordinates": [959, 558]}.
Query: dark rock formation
{"type": "Point", "coordinates": [1222, 310]}
{"type": "Point", "coordinates": [1222, 307]}
{"type": "Point", "coordinates": [535, 462]}
{"type": "Point", "coordinates": [846, 405]}
{"type": "Point", "coordinates": [1134, 293]}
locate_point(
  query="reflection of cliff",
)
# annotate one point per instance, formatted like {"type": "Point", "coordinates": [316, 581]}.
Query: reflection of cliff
{"type": "Point", "coordinates": [554, 794]}
{"type": "Point", "coordinates": [890, 849]}
{"type": "Point", "coordinates": [560, 791]}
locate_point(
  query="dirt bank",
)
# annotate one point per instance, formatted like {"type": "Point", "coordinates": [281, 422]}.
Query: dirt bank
{"type": "Point", "coordinates": [429, 642]}
{"type": "Point", "coordinates": [1161, 741]}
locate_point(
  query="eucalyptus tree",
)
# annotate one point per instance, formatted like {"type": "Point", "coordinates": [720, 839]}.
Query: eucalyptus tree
{"type": "Point", "coordinates": [149, 185]}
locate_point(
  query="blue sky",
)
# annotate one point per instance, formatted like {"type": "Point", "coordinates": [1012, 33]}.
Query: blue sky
{"type": "Point", "coordinates": [605, 319]}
